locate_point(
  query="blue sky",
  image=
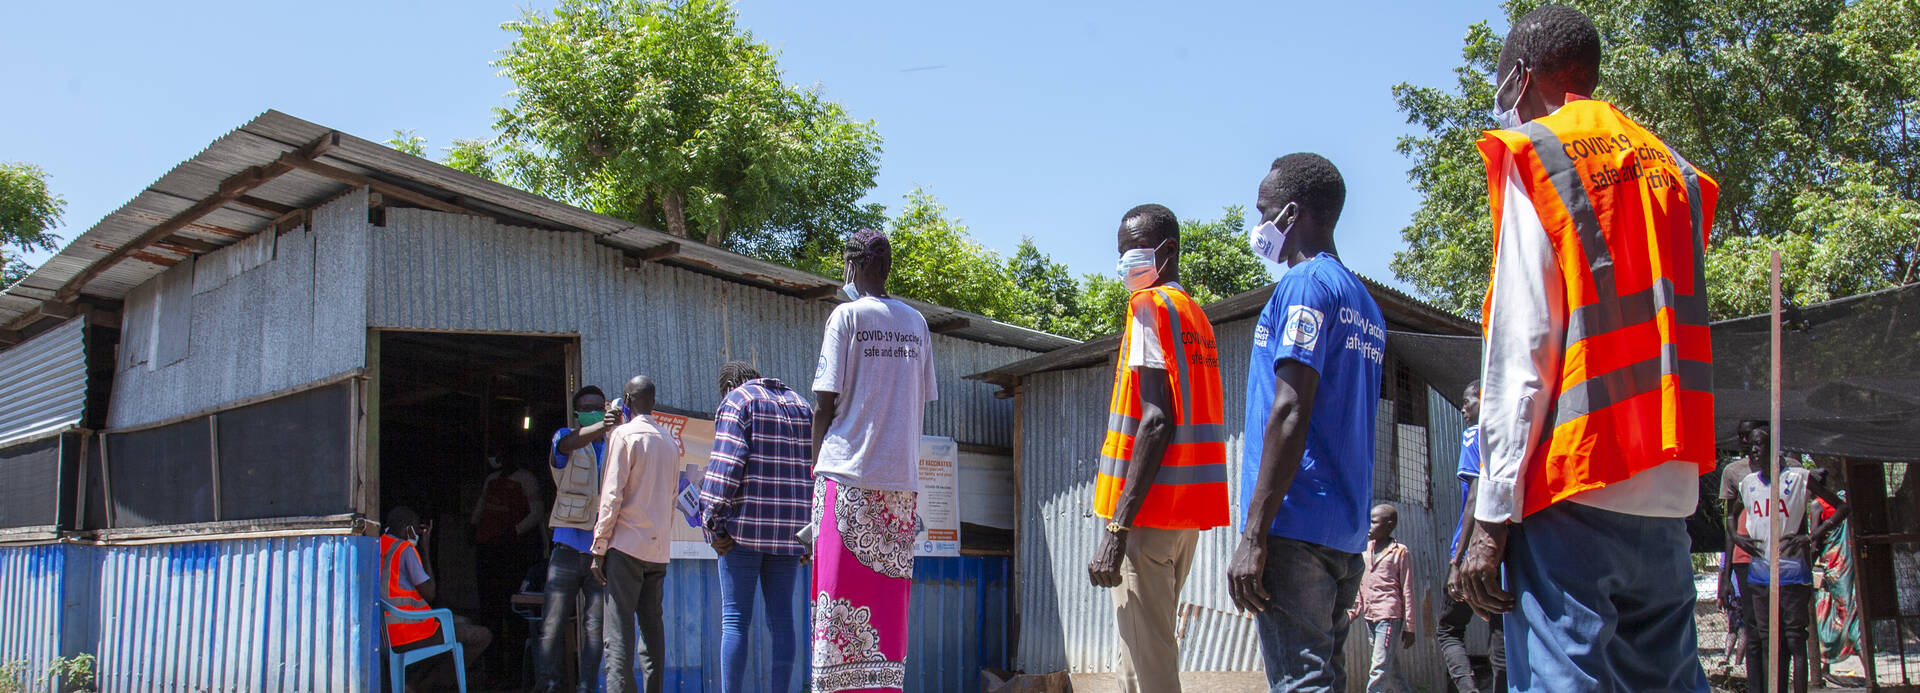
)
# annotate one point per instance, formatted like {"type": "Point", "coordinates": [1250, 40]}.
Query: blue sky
{"type": "Point", "coordinates": [1046, 120]}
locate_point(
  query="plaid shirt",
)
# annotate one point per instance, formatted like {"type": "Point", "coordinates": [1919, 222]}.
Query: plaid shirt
{"type": "Point", "coordinates": [759, 484]}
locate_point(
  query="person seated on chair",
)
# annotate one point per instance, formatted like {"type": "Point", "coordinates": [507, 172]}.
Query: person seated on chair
{"type": "Point", "coordinates": [405, 584]}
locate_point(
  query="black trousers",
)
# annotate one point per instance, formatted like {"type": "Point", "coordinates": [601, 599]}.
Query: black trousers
{"type": "Point", "coordinates": [1452, 636]}
{"type": "Point", "coordinates": [634, 588]}
{"type": "Point", "coordinates": [1794, 617]}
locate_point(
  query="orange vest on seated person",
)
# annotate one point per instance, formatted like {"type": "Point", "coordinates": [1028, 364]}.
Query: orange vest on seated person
{"type": "Point", "coordinates": [1190, 492]}
{"type": "Point", "coordinates": [401, 632]}
{"type": "Point", "coordinates": [1627, 218]}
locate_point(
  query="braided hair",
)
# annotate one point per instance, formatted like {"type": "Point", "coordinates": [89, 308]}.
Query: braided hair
{"type": "Point", "coordinates": [733, 374]}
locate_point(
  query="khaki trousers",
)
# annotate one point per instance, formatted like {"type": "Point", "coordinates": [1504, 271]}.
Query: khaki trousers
{"type": "Point", "coordinates": [1146, 608]}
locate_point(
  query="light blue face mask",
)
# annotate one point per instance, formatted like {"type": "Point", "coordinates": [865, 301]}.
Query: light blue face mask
{"type": "Point", "coordinates": [1509, 118]}
{"type": "Point", "coordinates": [1139, 268]}
{"type": "Point", "coordinates": [852, 293]}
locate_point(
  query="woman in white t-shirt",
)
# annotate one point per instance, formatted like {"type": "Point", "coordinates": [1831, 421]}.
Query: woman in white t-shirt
{"type": "Point", "coordinates": [873, 381]}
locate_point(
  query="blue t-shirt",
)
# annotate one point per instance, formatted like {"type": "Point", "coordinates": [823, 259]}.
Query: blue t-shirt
{"type": "Point", "coordinates": [1469, 469]}
{"type": "Point", "coordinates": [1320, 315]}
{"type": "Point", "coordinates": [573, 537]}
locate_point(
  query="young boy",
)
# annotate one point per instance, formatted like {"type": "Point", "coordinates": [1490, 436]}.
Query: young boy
{"type": "Point", "coordinates": [1386, 599]}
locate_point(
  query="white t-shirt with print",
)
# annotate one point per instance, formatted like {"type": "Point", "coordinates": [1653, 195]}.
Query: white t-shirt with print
{"type": "Point", "coordinates": [877, 356]}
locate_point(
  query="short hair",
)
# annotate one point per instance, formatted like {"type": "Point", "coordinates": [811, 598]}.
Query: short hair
{"type": "Point", "coordinates": [1471, 387]}
{"type": "Point", "coordinates": [588, 390]}
{"type": "Point", "coordinates": [1157, 220]}
{"type": "Point", "coordinates": [736, 373]}
{"type": "Point", "coordinates": [1749, 425]}
{"type": "Point", "coordinates": [400, 517]}
{"type": "Point", "coordinates": [867, 245]}
{"type": "Point", "coordinates": [1559, 44]}
{"type": "Point", "coordinates": [1309, 179]}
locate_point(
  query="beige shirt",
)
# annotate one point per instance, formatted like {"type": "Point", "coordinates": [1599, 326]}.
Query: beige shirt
{"type": "Point", "coordinates": [636, 493]}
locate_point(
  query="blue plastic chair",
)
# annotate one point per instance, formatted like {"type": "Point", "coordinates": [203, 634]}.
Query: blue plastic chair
{"type": "Point", "coordinates": [397, 662]}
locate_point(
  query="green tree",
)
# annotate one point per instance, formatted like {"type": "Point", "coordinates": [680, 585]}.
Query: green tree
{"type": "Point", "coordinates": [1045, 296]}
{"type": "Point", "coordinates": [668, 114]}
{"type": "Point", "coordinates": [936, 260]}
{"type": "Point", "coordinates": [475, 156]}
{"type": "Point", "coordinates": [29, 212]}
{"type": "Point", "coordinates": [1215, 260]}
{"type": "Point", "coordinates": [1803, 110]}
{"type": "Point", "coordinates": [408, 143]}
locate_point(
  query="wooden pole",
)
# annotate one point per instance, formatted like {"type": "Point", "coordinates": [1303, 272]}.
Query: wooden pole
{"type": "Point", "coordinates": [1773, 499]}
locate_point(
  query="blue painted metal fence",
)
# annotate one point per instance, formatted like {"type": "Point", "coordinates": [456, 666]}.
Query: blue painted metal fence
{"type": "Point", "coordinates": [284, 614]}
{"type": "Point", "coordinates": [31, 613]}
{"type": "Point", "coordinates": [960, 617]}
{"type": "Point", "coordinates": [297, 614]}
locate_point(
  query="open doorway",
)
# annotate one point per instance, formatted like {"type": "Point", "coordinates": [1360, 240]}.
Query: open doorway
{"type": "Point", "coordinates": [465, 422]}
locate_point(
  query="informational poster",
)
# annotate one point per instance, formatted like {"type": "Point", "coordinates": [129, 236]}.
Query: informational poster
{"type": "Point", "coordinates": [939, 501]}
{"type": "Point", "coordinates": [694, 437]}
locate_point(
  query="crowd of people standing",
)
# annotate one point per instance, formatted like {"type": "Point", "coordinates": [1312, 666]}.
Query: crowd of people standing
{"type": "Point", "coordinates": [1591, 421]}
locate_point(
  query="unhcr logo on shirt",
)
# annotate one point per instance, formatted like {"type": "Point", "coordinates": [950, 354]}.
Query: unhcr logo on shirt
{"type": "Point", "coordinates": [1302, 329]}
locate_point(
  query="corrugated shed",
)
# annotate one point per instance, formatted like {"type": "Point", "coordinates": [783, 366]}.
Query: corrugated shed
{"type": "Point", "coordinates": [436, 271]}
{"type": "Point", "coordinates": [288, 614]}
{"type": "Point", "coordinates": [294, 319]}
{"type": "Point", "coordinates": [43, 383]}
{"type": "Point", "coordinates": [31, 621]}
{"type": "Point", "coordinates": [1066, 623]}
{"type": "Point", "coordinates": [959, 615]}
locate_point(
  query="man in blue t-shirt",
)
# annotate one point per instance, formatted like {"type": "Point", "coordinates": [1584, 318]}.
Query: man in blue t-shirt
{"type": "Point", "coordinates": [1456, 614]}
{"type": "Point", "coordinates": [1307, 475]}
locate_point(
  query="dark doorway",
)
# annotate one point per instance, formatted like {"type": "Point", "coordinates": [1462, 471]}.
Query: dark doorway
{"type": "Point", "coordinates": [465, 423]}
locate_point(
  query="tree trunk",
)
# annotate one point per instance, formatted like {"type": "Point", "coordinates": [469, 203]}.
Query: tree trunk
{"type": "Point", "coordinates": [674, 205]}
{"type": "Point", "coordinates": [719, 231]}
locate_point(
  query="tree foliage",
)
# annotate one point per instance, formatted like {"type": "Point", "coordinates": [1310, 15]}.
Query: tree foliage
{"type": "Point", "coordinates": [1806, 111]}
{"type": "Point", "coordinates": [668, 114]}
{"type": "Point", "coordinates": [29, 212]}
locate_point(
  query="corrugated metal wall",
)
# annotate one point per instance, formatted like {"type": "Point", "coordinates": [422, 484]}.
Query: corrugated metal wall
{"type": "Point", "coordinates": [1065, 623]}
{"type": "Point", "coordinates": [287, 614]}
{"type": "Point", "coordinates": [261, 328]}
{"type": "Point", "coordinates": [435, 271]}
{"type": "Point", "coordinates": [31, 613]}
{"type": "Point", "coordinates": [959, 613]}
{"type": "Point", "coordinates": [43, 383]}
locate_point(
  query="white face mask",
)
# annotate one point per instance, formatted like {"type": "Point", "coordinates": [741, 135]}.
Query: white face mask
{"type": "Point", "coordinates": [1139, 268]}
{"type": "Point", "coordinates": [1509, 118]}
{"type": "Point", "coordinates": [1267, 239]}
{"type": "Point", "coordinates": [852, 293]}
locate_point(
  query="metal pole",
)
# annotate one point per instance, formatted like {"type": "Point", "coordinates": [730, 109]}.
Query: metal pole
{"type": "Point", "coordinates": [1773, 500]}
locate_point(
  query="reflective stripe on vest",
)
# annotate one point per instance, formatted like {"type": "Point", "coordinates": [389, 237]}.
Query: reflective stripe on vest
{"type": "Point", "coordinates": [1636, 385]}
{"type": "Point", "coordinates": [401, 632]}
{"type": "Point", "coordinates": [1190, 490]}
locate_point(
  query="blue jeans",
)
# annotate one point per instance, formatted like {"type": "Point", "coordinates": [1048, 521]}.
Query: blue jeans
{"type": "Point", "coordinates": [1603, 602]}
{"type": "Point", "coordinates": [741, 570]}
{"type": "Point", "coordinates": [567, 575]}
{"type": "Point", "coordinates": [1385, 674]}
{"type": "Point", "coordinates": [1304, 626]}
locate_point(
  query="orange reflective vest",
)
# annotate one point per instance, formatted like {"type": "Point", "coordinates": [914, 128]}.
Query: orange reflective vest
{"type": "Point", "coordinates": [1190, 492]}
{"type": "Point", "coordinates": [401, 632]}
{"type": "Point", "coordinates": [1627, 218]}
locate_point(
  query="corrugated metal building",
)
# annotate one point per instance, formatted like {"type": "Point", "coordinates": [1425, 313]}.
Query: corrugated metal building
{"type": "Point", "coordinates": [210, 380]}
{"type": "Point", "coordinates": [1061, 399]}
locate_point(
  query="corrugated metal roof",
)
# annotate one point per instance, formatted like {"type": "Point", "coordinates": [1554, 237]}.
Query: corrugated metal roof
{"type": "Point", "coordinates": [267, 138]}
{"type": "Point", "coordinates": [43, 383]}
{"type": "Point", "coordinates": [1402, 312]}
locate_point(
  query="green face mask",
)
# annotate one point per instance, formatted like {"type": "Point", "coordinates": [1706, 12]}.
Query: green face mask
{"type": "Point", "coordinates": [589, 418]}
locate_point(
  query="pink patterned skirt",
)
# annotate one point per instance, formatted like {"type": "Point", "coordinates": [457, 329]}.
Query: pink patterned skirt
{"type": "Point", "coordinates": [862, 574]}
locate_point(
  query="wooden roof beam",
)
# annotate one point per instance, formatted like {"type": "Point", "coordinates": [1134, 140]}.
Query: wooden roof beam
{"type": "Point", "coordinates": [388, 190]}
